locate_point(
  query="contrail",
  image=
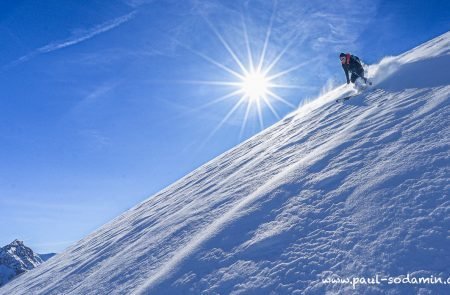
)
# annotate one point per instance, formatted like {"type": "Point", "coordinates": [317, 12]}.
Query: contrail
{"type": "Point", "coordinates": [56, 45]}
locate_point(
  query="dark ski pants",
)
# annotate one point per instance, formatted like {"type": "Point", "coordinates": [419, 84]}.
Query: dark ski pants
{"type": "Point", "coordinates": [356, 74]}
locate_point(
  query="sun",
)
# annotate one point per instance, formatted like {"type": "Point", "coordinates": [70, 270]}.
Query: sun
{"type": "Point", "coordinates": [255, 86]}
{"type": "Point", "coordinates": [253, 78]}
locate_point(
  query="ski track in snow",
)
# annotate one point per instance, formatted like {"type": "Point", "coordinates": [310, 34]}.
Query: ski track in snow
{"type": "Point", "coordinates": [351, 189]}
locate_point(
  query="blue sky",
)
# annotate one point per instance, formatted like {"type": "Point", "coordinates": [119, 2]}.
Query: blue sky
{"type": "Point", "coordinates": [104, 103]}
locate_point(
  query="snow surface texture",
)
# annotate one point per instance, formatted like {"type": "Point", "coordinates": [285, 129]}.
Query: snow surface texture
{"type": "Point", "coordinates": [15, 259]}
{"type": "Point", "coordinates": [351, 189]}
{"type": "Point", "coordinates": [46, 256]}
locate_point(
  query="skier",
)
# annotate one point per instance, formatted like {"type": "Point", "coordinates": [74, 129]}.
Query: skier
{"type": "Point", "coordinates": [352, 64]}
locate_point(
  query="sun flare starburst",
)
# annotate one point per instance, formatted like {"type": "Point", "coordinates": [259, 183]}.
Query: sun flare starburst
{"type": "Point", "coordinates": [254, 85]}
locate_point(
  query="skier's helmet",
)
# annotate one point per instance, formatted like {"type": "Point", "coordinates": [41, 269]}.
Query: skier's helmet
{"type": "Point", "coordinates": [342, 57]}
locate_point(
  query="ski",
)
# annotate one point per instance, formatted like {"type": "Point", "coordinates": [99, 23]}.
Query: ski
{"type": "Point", "coordinates": [342, 99]}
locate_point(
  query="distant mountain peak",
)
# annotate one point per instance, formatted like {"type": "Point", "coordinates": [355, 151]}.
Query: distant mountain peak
{"type": "Point", "coordinates": [14, 244]}
{"type": "Point", "coordinates": [15, 259]}
{"type": "Point", "coordinates": [17, 242]}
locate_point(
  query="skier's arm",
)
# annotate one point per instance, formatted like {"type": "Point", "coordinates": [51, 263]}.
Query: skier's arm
{"type": "Point", "coordinates": [346, 73]}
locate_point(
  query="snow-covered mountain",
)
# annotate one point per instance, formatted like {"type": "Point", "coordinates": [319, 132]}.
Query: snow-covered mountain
{"type": "Point", "coordinates": [334, 190]}
{"type": "Point", "coordinates": [15, 259]}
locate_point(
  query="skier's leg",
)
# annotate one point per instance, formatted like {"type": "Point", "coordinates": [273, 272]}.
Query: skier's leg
{"type": "Point", "coordinates": [353, 78]}
{"type": "Point", "coordinates": [361, 74]}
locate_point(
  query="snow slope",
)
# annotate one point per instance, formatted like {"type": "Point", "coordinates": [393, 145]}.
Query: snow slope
{"type": "Point", "coordinates": [46, 256]}
{"type": "Point", "coordinates": [349, 190]}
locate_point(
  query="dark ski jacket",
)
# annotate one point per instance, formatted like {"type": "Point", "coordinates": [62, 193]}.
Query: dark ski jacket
{"type": "Point", "coordinates": [352, 64]}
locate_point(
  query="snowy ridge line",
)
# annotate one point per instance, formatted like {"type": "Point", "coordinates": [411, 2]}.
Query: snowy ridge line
{"type": "Point", "coordinates": [304, 109]}
{"type": "Point", "coordinates": [233, 213]}
{"type": "Point", "coordinates": [389, 65]}
{"type": "Point", "coordinates": [206, 165]}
